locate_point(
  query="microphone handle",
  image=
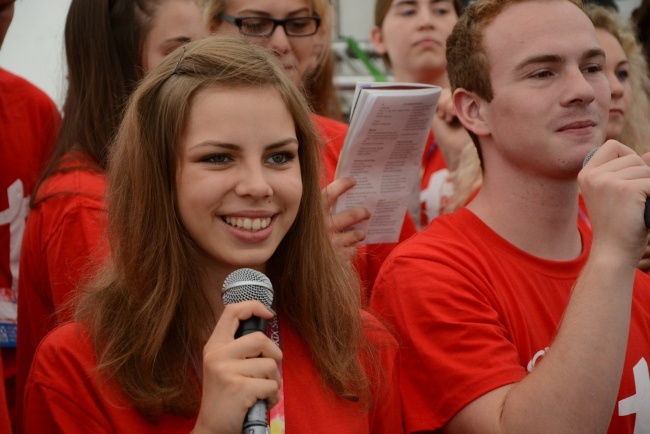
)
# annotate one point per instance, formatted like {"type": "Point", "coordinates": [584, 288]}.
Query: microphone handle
{"type": "Point", "coordinates": [256, 420]}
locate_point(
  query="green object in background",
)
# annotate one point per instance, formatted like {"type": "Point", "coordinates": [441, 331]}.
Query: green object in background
{"type": "Point", "coordinates": [376, 73]}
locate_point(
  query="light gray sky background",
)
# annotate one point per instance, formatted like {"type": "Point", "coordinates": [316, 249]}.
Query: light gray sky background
{"type": "Point", "coordinates": [33, 47]}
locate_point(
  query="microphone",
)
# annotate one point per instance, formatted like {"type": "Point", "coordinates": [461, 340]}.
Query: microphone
{"type": "Point", "coordinates": [646, 213]}
{"type": "Point", "coordinates": [242, 285]}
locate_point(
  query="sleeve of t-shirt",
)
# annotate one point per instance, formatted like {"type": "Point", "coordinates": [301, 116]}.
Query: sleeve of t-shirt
{"type": "Point", "coordinates": [75, 249]}
{"type": "Point", "coordinates": [58, 396]}
{"type": "Point", "coordinates": [454, 348]}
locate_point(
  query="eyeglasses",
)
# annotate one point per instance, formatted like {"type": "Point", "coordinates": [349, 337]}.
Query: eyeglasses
{"type": "Point", "coordinates": [262, 27]}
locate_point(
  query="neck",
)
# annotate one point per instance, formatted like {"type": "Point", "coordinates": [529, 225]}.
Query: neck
{"type": "Point", "coordinates": [437, 78]}
{"type": "Point", "coordinates": [538, 215]}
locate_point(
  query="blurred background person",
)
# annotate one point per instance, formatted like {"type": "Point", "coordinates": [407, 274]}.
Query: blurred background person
{"type": "Point", "coordinates": [28, 126]}
{"type": "Point", "coordinates": [109, 47]}
{"type": "Point", "coordinates": [411, 37]}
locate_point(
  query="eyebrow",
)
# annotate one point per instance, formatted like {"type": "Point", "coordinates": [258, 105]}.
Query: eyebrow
{"type": "Point", "coordinates": [235, 147]}
{"type": "Point", "coordinates": [247, 12]}
{"type": "Point", "coordinates": [181, 39]}
{"type": "Point", "coordinates": [554, 58]}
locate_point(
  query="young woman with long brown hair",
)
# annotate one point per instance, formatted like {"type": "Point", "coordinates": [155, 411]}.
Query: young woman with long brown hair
{"type": "Point", "coordinates": [215, 168]}
{"type": "Point", "coordinates": [109, 46]}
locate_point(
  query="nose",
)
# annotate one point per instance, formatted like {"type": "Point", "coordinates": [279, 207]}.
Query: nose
{"type": "Point", "coordinates": [253, 182]}
{"type": "Point", "coordinates": [615, 85]}
{"type": "Point", "coordinates": [579, 90]}
{"type": "Point", "coordinates": [426, 18]}
{"type": "Point", "coordinates": [279, 42]}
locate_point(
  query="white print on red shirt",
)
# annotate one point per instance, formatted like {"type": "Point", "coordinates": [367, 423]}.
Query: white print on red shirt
{"type": "Point", "coordinates": [638, 404]}
{"type": "Point", "coordinates": [15, 216]}
{"type": "Point", "coordinates": [536, 357]}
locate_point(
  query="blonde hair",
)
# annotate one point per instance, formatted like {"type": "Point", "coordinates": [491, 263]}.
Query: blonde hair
{"type": "Point", "coordinates": [146, 318]}
{"type": "Point", "coordinates": [636, 130]}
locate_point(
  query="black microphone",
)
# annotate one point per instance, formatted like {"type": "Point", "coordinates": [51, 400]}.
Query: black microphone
{"type": "Point", "coordinates": [646, 213]}
{"type": "Point", "coordinates": [242, 285]}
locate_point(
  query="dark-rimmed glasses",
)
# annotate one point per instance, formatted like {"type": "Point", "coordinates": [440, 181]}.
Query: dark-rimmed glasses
{"type": "Point", "coordinates": [263, 27]}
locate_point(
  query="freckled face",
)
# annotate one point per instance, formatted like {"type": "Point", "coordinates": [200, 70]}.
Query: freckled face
{"type": "Point", "coordinates": [239, 184]}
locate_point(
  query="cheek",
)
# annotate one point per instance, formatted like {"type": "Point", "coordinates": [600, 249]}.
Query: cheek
{"type": "Point", "coordinates": [627, 96]}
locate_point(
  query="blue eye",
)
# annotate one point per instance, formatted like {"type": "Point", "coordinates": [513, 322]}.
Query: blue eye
{"type": "Point", "coordinates": [622, 75]}
{"type": "Point", "coordinates": [281, 158]}
{"type": "Point", "coordinates": [217, 159]}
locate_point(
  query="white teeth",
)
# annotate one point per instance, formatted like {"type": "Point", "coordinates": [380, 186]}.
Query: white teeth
{"type": "Point", "coordinates": [247, 223]}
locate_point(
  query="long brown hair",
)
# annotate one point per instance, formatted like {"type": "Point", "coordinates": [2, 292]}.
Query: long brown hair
{"type": "Point", "coordinates": [147, 317]}
{"type": "Point", "coordinates": [103, 44]}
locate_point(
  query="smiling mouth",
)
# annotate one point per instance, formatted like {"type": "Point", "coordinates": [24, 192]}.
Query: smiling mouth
{"type": "Point", "coordinates": [248, 224]}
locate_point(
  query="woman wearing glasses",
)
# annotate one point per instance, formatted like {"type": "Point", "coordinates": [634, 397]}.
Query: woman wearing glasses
{"type": "Point", "coordinates": [288, 28]}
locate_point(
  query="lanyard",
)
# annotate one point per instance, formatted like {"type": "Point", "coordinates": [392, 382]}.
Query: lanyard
{"type": "Point", "coordinates": [276, 414]}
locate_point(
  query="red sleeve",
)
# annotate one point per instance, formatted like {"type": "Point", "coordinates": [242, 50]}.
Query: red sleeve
{"type": "Point", "coordinates": [60, 397]}
{"type": "Point", "coordinates": [453, 347]}
{"type": "Point", "coordinates": [386, 416]}
{"type": "Point", "coordinates": [75, 249]}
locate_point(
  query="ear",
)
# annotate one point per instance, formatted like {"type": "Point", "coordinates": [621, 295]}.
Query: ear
{"type": "Point", "coordinates": [470, 109]}
{"type": "Point", "coordinates": [377, 39]}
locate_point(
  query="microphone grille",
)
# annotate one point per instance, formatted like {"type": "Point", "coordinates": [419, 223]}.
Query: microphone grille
{"type": "Point", "coordinates": [247, 284]}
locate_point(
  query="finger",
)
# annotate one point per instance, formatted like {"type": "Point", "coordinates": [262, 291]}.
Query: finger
{"type": "Point", "coordinates": [609, 151]}
{"type": "Point", "coordinates": [348, 238]}
{"type": "Point", "coordinates": [249, 346]}
{"type": "Point", "coordinates": [335, 189]}
{"type": "Point", "coordinates": [258, 367]}
{"type": "Point", "coordinates": [264, 389]}
{"type": "Point", "coordinates": [346, 219]}
{"type": "Point", "coordinates": [644, 265]}
{"type": "Point", "coordinates": [631, 173]}
{"type": "Point", "coordinates": [620, 163]}
{"type": "Point", "coordinates": [232, 315]}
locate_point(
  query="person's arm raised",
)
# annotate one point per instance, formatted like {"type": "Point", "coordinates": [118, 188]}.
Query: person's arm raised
{"type": "Point", "coordinates": [574, 388]}
{"type": "Point", "coordinates": [237, 372]}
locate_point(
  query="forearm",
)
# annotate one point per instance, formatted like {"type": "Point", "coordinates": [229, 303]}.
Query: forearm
{"type": "Point", "coordinates": [574, 387]}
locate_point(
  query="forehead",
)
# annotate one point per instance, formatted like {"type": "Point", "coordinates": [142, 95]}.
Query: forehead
{"type": "Point", "coordinates": [608, 42]}
{"type": "Point", "coordinates": [538, 28]}
{"type": "Point", "coordinates": [269, 5]}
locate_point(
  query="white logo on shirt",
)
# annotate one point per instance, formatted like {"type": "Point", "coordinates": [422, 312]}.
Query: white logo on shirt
{"type": "Point", "coordinates": [638, 404]}
{"type": "Point", "coordinates": [15, 216]}
{"type": "Point", "coordinates": [536, 357]}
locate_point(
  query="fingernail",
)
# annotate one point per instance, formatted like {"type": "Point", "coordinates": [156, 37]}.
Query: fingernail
{"type": "Point", "coordinates": [272, 311]}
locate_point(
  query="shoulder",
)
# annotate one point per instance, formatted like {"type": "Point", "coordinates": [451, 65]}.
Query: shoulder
{"type": "Point", "coordinates": [449, 237]}
{"type": "Point", "coordinates": [65, 349]}
{"type": "Point", "coordinates": [14, 85]}
{"type": "Point", "coordinates": [78, 182]}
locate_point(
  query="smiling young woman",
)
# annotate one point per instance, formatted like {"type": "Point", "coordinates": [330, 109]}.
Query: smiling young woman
{"type": "Point", "coordinates": [214, 168]}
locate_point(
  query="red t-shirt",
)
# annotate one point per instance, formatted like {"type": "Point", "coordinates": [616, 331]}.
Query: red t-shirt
{"type": "Point", "coordinates": [64, 243]}
{"type": "Point", "coordinates": [29, 123]}
{"type": "Point", "coordinates": [64, 395]}
{"type": "Point", "coordinates": [369, 257]}
{"type": "Point", "coordinates": [472, 311]}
